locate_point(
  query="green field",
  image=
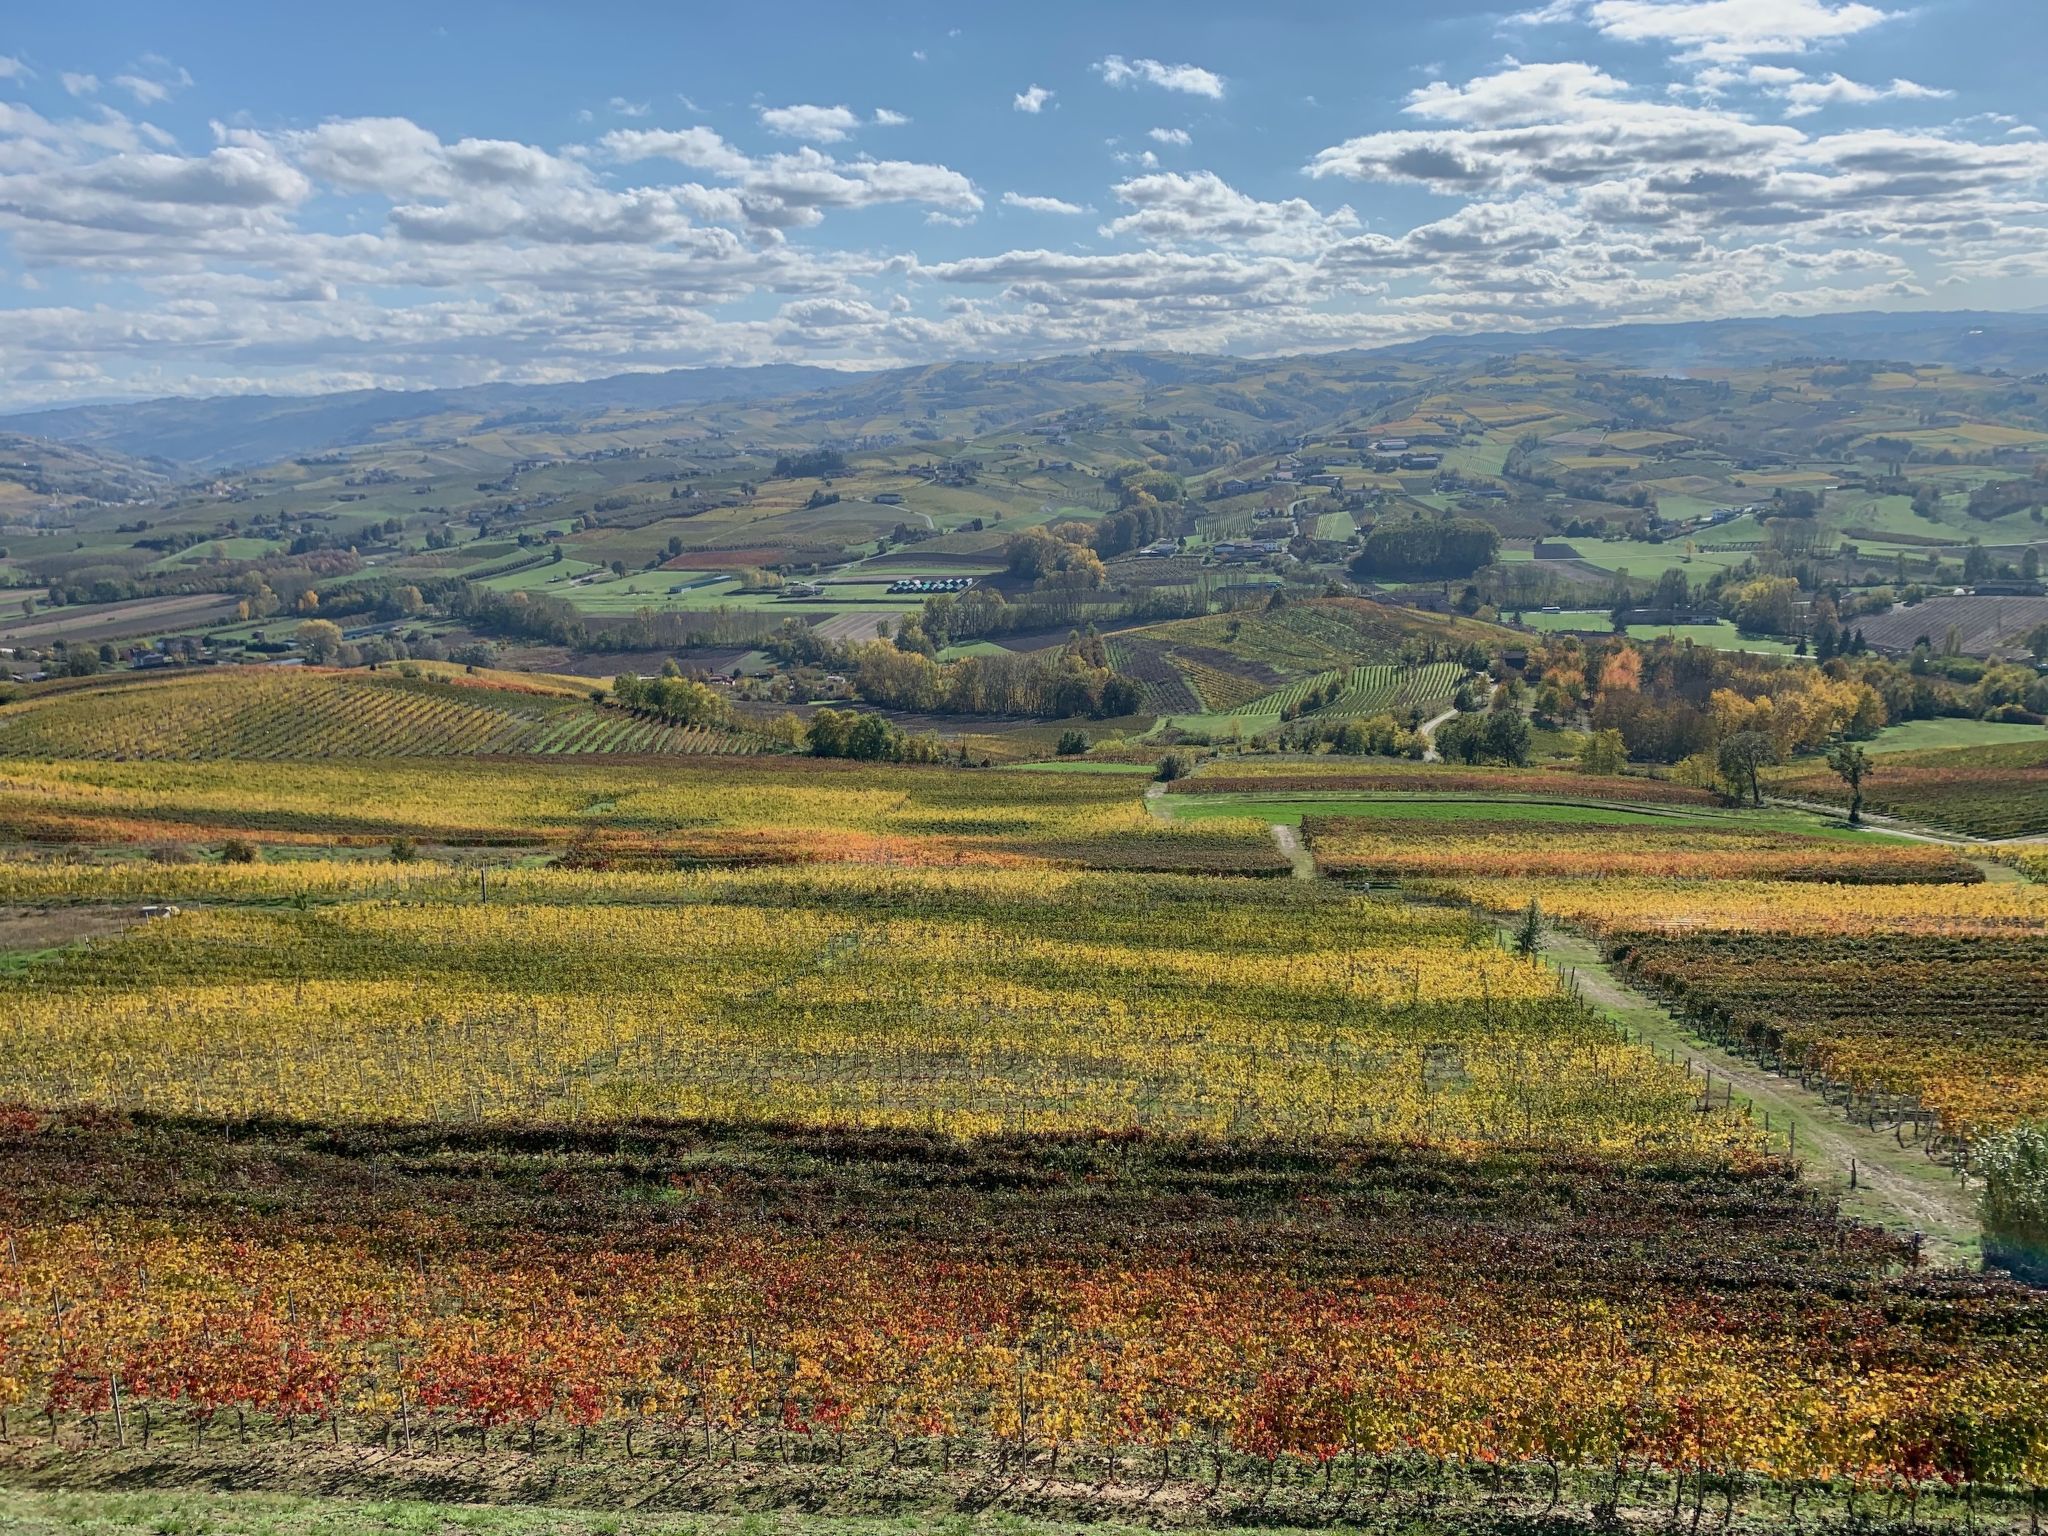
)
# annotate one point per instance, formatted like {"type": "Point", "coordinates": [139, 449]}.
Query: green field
{"type": "Point", "coordinates": [1720, 637]}
{"type": "Point", "coordinates": [1919, 735]}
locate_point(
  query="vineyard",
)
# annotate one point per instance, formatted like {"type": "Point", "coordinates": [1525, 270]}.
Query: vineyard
{"type": "Point", "coordinates": [1018, 1001]}
{"type": "Point", "coordinates": [1363, 691]}
{"type": "Point", "coordinates": [1959, 1033]}
{"type": "Point", "coordinates": [795, 1135]}
{"type": "Point", "coordinates": [1888, 971]}
{"type": "Point", "coordinates": [1406, 848]}
{"type": "Point", "coordinates": [1999, 791]}
{"type": "Point", "coordinates": [736, 810]}
{"type": "Point", "coordinates": [1140, 1312]}
{"type": "Point", "coordinates": [1254, 664]}
{"type": "Point", "coordinates": [308, 715]}
{"type": "Point", "coordinates": [1319, 776]}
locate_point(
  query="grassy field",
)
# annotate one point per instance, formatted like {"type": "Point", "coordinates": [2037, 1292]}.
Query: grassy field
{"type": "Point", "coordinates": [1923, 735]}
{"type": "Point", "coordinates": [1721, 636]}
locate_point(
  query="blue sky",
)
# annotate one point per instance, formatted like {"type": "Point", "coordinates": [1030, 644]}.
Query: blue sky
{"type": "Point", "coordinates": [222, 197]}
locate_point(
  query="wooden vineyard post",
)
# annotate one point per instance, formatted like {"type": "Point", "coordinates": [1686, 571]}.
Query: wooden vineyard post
{"type": "Point", "coordinates": [120, 1419]}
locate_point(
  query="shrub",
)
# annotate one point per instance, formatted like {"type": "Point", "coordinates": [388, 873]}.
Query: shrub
{"type": "Point", "coordinates": [238, 850]}
{"type": "Point", "coordinates": [1072, 743]}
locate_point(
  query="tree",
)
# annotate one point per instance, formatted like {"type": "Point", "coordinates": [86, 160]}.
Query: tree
{"type": "Point", "coordinates": [1604, 754]}
{"type": "Point", "coordinates": [1172, 766]}
{"type": "Point", "coordinates": [1427, 548]}
{"type": "Point", "coordinates": [1673, 591]}
{"type": "Point", "coordinates": [320, 639]}
{"type": "Point", "coordinates": [1743, 757]}
{"type": "Point", "coordinates": [1529, 932]}
{"type": "Point", "coordinates": [1851, 763]}
{"type": "Point", "coordinates": [1072, 743]}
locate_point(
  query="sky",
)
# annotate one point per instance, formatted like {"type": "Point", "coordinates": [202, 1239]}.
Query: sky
{"type": "Point", "coordinates": [213, 197]}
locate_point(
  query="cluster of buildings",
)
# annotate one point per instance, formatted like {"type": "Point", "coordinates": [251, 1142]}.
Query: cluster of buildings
{"type": "Point", "coordinates": [926, 586]}
{"type": "Point", "coordinates": [1248, 549]}
{"type": "Point", "coordinates": [947, 471]}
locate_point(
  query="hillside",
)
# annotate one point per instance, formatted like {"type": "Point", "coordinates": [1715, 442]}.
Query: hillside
{"type": "Point", "coordinates": [1227, 662]}
{"type": "Point", "coordinates": [302, 714]}
{"type": "Point", "coordinates": [219, 432]}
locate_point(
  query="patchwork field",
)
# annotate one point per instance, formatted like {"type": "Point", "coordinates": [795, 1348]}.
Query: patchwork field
{"type": "Point", "coordinates": [797, 1135]}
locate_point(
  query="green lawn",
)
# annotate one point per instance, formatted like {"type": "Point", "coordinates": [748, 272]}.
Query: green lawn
{"type": "Point", "coordinates": [1721, 637]}
{"type": "Point", "coordinates": [1078, 765]}
{"type": "Point", "coordinates": [1646, 562]}
{"type": "Point", "coordinates": [1915, 735]}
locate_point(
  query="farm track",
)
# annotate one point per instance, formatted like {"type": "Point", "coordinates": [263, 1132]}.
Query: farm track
{"type": "Point", "coordinates": [1289, 840]}
{"type": "Point", "coordinates": [1894, 1187]}
{"type": "Point", "coordinates": [1427, 731]}
{"type": "Point", "coordinates": [1899, 1189]}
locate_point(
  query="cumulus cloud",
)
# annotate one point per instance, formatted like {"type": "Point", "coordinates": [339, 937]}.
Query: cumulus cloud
{"type": "Point", "coordinates": [1040, 204]}
{"type": "Point", "coordinates": [79, 85]}
{"type": "Point", "coordinates": [885, 118]}
{"type": "Point", "coordinates": [1720, 30]}
{"type": "Point", "coordinates": [1575, 194]}
{"type": "Point", "coordinates": [12, 68]}
{"type": "Point", "coordinates": [697, 147]}
{"type": "Point", "coordinates": [819, 125]}
{"type": "Point", "coordinates": [1188, 78]}
{"type": "Point", "coordinates": [1203, 209]}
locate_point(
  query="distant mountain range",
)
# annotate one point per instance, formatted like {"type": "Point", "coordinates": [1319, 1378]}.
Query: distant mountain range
{"type": "Point", "coordinates": [203, 434]}
{"type": "Point", "coordinates": [220, 431]}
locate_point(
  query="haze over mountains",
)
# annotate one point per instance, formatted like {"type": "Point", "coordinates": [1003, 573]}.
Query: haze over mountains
{"type": "Point", "coordinates": [212, 433]}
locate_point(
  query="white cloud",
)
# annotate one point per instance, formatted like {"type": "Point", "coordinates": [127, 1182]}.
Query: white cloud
{"type": "Point", "coordinates": [1809, 96]}
{"type": "Point", "coordinates": [1040, 204]}
{"type": "Point", "coordinates": [818, 125]}
{"type": "Point", "coordinates": [79, 85]}
{"type": "Point", "coordinates": [1178, 136]}
{"type": "Point", "coordinates": [1032, 100]}
{"type": "Point", "coordinates": [700, 148]}
{"type": "Point", "coordinates": [1578, 196]}
{"type": "Point", "coordinates": [153, 79]}
{"type": "Point", "coordinates": [885, 118]}
{"type": "Point", "coordinates": [1203, 209]}
{"type": "Point", "coordinates": [12, 68]}
{"type": "Point", "coordinates": [626, 108]}
{"type": "Point", "coordinates": [1722, 30]}
{"type": "Point", "coordinates": [791, 191]}
{"type": "Point", "coordinates": [1188, 78]}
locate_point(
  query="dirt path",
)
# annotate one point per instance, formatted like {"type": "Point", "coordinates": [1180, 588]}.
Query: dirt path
{"type": "Point", "coordinates": [1896, 1187]}
{"type": "Point", "coordinates": [1427, 731]}
{"type": "Point", "coordinates": [1289, 839]}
